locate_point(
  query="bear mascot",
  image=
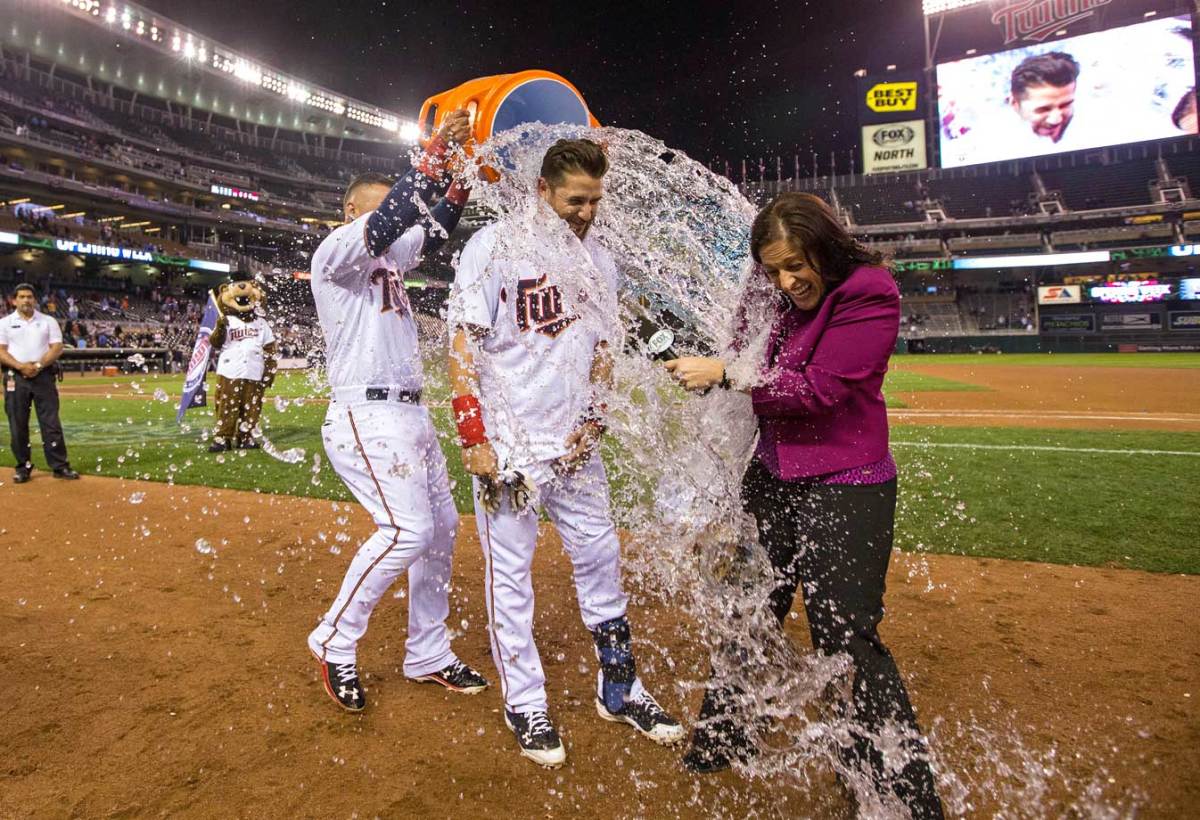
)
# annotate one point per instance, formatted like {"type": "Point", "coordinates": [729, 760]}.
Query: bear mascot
{"type": "Point", "coordinates": [246, 366]}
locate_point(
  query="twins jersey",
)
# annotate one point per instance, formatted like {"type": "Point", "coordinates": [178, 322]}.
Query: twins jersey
{"type": "Point", "coordinates": [370, 334]}
{"type": "Point", "coordinates": [545, 313]}
{"type": "Point", "coordinates": [242, 355]}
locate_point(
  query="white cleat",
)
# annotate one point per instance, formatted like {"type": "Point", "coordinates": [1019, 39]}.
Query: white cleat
{"type": "Point", "coordinates": [643, 713]}
{"type": "Point", "coordinates": [537, 738]}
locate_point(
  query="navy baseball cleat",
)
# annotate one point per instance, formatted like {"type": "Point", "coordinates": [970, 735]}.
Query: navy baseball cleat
{"type": "Point", "coordinates": [457, 677]}
{"type": "Point", "coordinates": [642, 712]}
{"type": "Point", "coordinates": [537, 738]}
{"type": "Point", "coordinates": [341, 684]}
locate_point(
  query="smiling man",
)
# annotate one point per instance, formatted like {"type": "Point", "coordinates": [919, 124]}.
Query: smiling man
{"type": "Point", "coordinates": [1042, 93]}
{"type": "Point", "coordinates": [532, 314]}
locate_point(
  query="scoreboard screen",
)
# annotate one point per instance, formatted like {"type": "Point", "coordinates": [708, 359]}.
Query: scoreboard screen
{"type": "Point", "coordinates": [1129, 84]}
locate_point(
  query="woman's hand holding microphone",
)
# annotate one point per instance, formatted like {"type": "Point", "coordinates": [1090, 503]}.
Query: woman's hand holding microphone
{"type": "Point", "coordinates": [696, 372]}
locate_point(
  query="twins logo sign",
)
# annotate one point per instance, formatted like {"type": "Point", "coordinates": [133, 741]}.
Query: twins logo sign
{"type": "Point", "coordinates": [540, 308]}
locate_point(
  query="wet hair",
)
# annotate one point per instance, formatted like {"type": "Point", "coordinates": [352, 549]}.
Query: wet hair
{"type": "Point", "coordinates": [1056, 68]}
{"type": "Point", "coordinates": [24, 286]}
{"type": "Point", "coordinates": [812, 230]}
{"type": "Point", "coordinates": [573, 156]}
{"type": "Point", "coordinates": [368, 178]}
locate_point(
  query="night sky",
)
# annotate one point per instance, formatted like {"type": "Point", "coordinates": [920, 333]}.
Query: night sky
{"type": "Point", "coordinates": [721, 80]}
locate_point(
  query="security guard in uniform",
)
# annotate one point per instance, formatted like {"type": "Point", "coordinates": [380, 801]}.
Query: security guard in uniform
{"type": "Point", "coordinates": [30, 344]}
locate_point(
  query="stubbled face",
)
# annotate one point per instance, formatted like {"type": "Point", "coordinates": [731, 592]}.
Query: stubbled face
{"type": "Point", "coordinates": [575, 199]}
{"type": "Point", "coordinates": [1047, 108]}
{"type": "Point", "coordinates": [26, 303]}
{"type": "Point", "coordinates": [789, 271]}
{"type": "Point", "coordinates": [366, 198]}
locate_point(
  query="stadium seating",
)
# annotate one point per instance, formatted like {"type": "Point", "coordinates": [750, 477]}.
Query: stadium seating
{"type": "Point", "coordinates": [996, 194]}
{"type": "Point", "coordinates": [1087, 188]}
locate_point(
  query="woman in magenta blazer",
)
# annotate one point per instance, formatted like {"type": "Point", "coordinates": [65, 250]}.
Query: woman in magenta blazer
{"type": "Point", "coordinates": [822, 484]}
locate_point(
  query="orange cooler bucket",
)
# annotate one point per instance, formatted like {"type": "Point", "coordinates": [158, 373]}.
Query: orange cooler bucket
{"type": "Point", "coordinates": [506, 101]}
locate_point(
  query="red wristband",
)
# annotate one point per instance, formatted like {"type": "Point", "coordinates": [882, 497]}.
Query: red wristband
{"type": "Point", "coordinates": [458, 193]}
{"type": "Point", "coordinates": [432, 162]}
{"type": "Point", "coordinates": [468, 415]}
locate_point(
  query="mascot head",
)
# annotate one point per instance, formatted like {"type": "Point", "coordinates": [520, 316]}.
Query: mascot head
{"type": "Point", "coordinates": [239, 296]}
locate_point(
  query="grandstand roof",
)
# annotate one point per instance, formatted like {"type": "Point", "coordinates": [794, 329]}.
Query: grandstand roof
{"type": "Point", "coordinates": [131, 47]}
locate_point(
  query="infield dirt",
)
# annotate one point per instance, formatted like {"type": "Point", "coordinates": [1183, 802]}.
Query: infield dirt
{"type": "Point", "coordinates": [1124, 398]}
{"type": "Point", "coordinates": [143, 677]}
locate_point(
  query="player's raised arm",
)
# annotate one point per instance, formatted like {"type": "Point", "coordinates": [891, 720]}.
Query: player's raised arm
{"type": "Point", "coordinates": [446, 214]}
{"type": "Point", "coordinates": [399, 210]}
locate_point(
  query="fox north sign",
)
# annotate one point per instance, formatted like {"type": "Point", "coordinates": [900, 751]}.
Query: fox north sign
{"type": "Point", "coordinates": [894, 146]}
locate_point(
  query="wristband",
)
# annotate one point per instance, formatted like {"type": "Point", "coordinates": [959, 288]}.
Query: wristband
{"type": "Point", "coordinates": [468, 416]}
{"type": "Point", "coordinates": [432, 162]}
{"type": "Point", "coordinates": [458, 193]}
{"type": "Point", "coordinates": [725, 384]}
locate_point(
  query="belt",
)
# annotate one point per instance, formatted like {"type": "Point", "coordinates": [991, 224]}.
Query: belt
{"type": "Point", "coordinates": [390, 394]}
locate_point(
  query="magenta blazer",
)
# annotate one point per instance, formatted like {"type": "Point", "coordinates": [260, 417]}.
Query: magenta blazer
{"type": "Point", "coordinates": [823, 411]}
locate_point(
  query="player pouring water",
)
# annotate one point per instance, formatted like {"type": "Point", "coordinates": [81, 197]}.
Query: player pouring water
{"type": "Point", "coordinates": [377, 433]}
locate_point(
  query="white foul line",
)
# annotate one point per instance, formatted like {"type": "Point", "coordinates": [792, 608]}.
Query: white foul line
{"type": "Point", "coordinates": [1039, 414]}
{"type": "Point", "coordinates": [1046, 448]}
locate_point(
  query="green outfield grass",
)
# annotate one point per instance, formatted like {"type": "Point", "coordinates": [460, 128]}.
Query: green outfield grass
{"type": "Point", "coordinates": [1089, 499]}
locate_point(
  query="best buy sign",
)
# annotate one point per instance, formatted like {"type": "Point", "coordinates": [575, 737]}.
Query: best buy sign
{"type": "Point", "coordinates": [883, 98]}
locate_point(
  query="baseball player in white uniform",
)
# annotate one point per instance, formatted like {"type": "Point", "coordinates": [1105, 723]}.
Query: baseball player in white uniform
{"type": "Point", "coordinates": [532, 314]}
{"type": "Point", "coordinates": [378, 436]}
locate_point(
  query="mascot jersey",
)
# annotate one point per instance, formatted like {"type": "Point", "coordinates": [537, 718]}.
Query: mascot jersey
{"type": "Point", "coordinates": [547, 300]}
{"type": "Point", "coordinates": [242, 354]}
{"type": "Point", "coordinates": [370, 334]}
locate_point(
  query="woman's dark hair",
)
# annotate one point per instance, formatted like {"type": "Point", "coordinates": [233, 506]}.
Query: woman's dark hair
{"type": "Point", "coordinates": [813, 231]}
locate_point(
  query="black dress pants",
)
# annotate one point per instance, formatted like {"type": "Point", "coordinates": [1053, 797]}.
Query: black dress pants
{"type": "Point", "coordinates": [40, 392]}
{"type": "Point", "coordinates": [833, 542]}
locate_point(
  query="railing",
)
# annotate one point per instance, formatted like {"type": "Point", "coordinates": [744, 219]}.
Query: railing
{"type": "Point", "coordinates": [93, 358]}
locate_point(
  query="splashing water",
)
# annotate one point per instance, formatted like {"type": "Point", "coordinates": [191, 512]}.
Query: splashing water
{"type": "Point", "coordinates": [680, 237]}
{"type": "Point", "coordinates": [292, 455]}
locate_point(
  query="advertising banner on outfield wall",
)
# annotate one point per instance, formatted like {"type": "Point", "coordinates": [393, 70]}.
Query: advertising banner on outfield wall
{"type": "Point", "coordinates": [894, 146]}
{"type": "Point", "coordinates": [1068, 323]}
{"type": "Point", "coordinates": [1184, 319]}
{"type": "Point", "coordinates": [1060, 295]}
{"type": "Point", "coordinates": [1131, 321]}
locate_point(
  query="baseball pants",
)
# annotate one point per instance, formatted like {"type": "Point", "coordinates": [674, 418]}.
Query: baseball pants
{"type": "Point", "coordinates": [578, 506]}
{"type": "Point", "coordinates": [387, 453]}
